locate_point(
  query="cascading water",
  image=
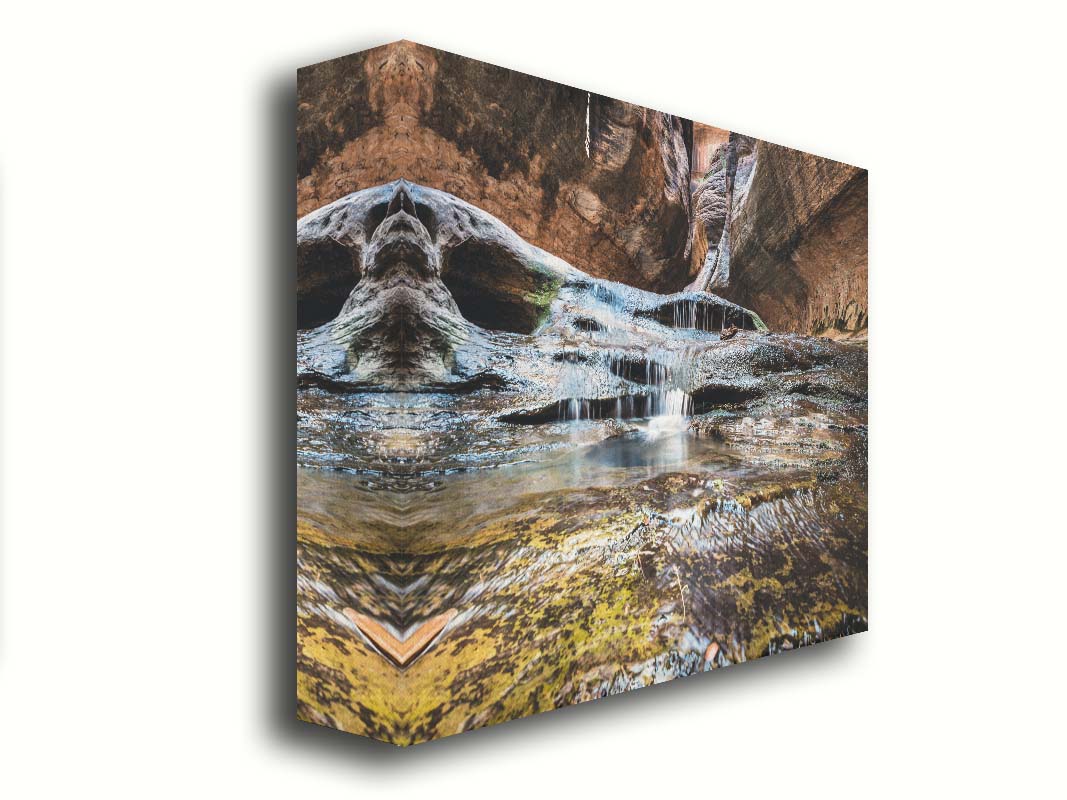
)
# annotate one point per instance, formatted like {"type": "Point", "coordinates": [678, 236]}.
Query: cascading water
{"type": "Point", "coordinates": [666, 402]}
{"type": "Point", "coordinates": [662, 371]}
{"type": "Point", "coordinates": [705, 316]}
{"type": "Point", "coordinates": [574, 382]}
{"type": "Point", "coordinates": [685, 314]}
{"type": "Point", "coordinates": [588, 138]}
{"type": "Point", "coordinates": [671, 404]}
{"type": "Point", "coordinates": [638, 369]}
{"type": "Point", "coordinates": [606, 296]}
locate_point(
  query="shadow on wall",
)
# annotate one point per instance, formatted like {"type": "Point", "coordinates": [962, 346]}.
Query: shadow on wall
{"type": "Point", "coordinates": [277, 506]}
{"type": "Point", "coordinates": [277, 509]}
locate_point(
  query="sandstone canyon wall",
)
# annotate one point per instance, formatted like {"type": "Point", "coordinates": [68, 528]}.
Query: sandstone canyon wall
{"type": "Point", "coordinates": [784, 232]}
{"type": "Point", "coordinates": [619, 191]}
{"type": "Point", "coordinates": [601, 183]}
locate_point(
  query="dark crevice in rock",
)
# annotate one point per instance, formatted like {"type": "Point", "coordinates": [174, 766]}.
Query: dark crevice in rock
{"type": "Point", "coordinates": [714, 395]}
{"type": "Point", "coordinates": [701, 315]}
{"type": "Point", "coordinates": [588, 325]}
{"type": "Point", "coordinates": [317, 380]}
{"type": "Point", "coordinates": [312, 379]}
{"type": "Point", "coordinates": [328, 272]}
{"type": "Point", "coordinates": [639, 369]}
{"type": "Point", "coordinates": [571, 357]}
{"type": "Point", "coordinates": [492, 291]}
{"type": "Point", "coordinates": [483, 380]}
{"type": "Point", "coordinates": [627, 406]}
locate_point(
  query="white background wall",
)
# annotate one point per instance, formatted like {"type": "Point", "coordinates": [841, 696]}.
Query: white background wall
{"type": "Point", "coordinates": [146, 221]}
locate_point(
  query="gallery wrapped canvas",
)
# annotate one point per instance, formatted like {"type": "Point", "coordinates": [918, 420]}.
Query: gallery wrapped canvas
{"type": "Point", "coordinates": [581, 394]}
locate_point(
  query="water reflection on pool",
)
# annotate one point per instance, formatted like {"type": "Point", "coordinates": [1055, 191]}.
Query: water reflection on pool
{"type": "Point", "coordinates": [580, 569]}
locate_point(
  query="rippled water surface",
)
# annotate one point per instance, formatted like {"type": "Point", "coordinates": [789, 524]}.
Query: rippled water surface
{"type": "Point", "coordinates": [522, 486]}
{"type": "Point", "coordinates": [580, 568]}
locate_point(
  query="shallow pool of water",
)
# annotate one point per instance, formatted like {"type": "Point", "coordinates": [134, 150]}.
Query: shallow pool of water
{"type": "Point", "coordinates": [579, 569]}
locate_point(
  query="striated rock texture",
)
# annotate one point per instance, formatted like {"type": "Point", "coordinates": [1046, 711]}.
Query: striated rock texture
{"type": "Point", "coordinates": [498, 280]}
{"type": "Point", "coordinates": [786, 234]}
{"type": "Point", "coordinates": [722, 189]}
{"type": "Point", "coordinates": [603, 184]}
{"type": "Point", "coordinates": [621, 192]}
{"type": "Point", "coordinates": [427, 277]}
{"type": "Point", "coordinates": [800, 242]}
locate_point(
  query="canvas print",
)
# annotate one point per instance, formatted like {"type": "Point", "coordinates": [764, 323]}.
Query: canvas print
{"type": "Point", "coordinates": [581, 395]}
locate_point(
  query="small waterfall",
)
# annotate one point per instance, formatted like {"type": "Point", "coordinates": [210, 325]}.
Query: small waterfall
{"type": "Point", "coordinates": [685, 314]}
{"type": "Point", "coordinates": [666, 403]}
{"type": "Point", "coordinates": [704, 316]}
{"type": "Point", "coordinates": [646, 369]}
{"type": "Point", "coordinates": [662, 372]}
{"type": "Point", "coordinates": [574, 382]}
{"type": "Point", "coordinates": [603, 293]}
{"type": "Point", "coordinates": [575, 408]}
{"type": "Point", "coordinates": [588, 138]}
{"type": "Point", "coordinates": [671, 405]}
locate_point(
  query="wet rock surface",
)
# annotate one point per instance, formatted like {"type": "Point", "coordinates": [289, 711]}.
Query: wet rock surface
{"type": "Point", "coordinates": [585, 492]}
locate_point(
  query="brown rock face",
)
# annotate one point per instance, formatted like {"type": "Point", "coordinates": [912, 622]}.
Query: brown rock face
{"type": "Point", "coordinates": [799, 243]}
{"type": "Point", "coordinates": [787, 235]}
{"type": "Point", "coordinates": [619, 191]}
{"type": "Point", "coordinates": [433, 281]}
{"type": "Point", "coordinates": [400, 236]}
{"type": "Point", "coordinates": [601, 183]}
{"type": "Point", "coordinates": [721, 190]}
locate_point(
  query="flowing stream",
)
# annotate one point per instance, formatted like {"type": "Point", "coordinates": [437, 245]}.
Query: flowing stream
{"type": "Point", "coordinates": [672, 503]}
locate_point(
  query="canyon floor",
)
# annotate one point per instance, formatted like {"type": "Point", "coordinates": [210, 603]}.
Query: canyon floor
{"type": "Point", "coordinates": [622, 489]}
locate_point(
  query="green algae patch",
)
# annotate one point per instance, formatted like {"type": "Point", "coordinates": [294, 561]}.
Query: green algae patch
{"type": "Point", "coordinates": [761, 326]}
{"type": "Point", "coordinates": [502, 667]}
{"type": "Point", "coordinates": [573, 594]}
{"type": "Point", "coordinates": [542, 297]}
